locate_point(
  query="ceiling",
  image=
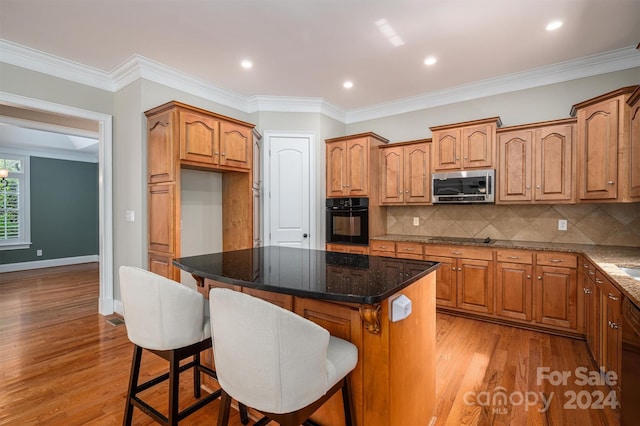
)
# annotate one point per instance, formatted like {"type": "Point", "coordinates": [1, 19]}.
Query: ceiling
{"type": "Point", "coordinates": [308, 48]}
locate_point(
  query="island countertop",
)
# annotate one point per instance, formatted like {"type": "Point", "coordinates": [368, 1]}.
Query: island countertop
{"type": "Point", "coordinates": [314, 274]}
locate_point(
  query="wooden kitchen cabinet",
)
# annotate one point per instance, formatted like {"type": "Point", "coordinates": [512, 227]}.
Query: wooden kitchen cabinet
{"type": "Point", "coordinates": [382, 248]}
{"type": "Point", "coordinates": [611, 334]}
{"type": "Point", "coordinates": [634, 144]}
{"type": "Point", "coordinates": [591, 295]}
{"type": "Point", "coordinates": [348, 164]}
{"type": "Point", "coordinates": [468, 270]}
{"type": "Point", "coordinates": [514, 292]}
{"type": "Point", "coordinates": [182, 136]}
{"type": "Point", "coordinates": [555, 290]}
{"type": "Point", "coordinates": [468, 145]}
{"type": "Point", "coordinates": [536, 163]}
{"type": "Point", "coordinates": [406, 173]}
{"type": "Point", "coordinates": [604, 154]}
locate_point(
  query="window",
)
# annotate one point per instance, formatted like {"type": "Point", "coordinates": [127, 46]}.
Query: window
{"type": "Point", "coordinates": [15, 218]}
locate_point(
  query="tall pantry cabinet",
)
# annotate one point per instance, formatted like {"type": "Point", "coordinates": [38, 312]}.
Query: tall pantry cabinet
{"type": "Point", "coordinates": [182, 136]}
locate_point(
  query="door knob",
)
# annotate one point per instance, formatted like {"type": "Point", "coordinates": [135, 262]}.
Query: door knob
{"type": "Point", "coordinates": [304, 235]}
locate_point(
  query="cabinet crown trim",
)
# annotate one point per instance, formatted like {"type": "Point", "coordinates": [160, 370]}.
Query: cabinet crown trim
{"type": "Point", "coordinates": [176, 104]}
{"type": "Point", "coordinates": [597, 99]}
{"type": "Point", "coordinates": [359, 135]}
{"type": "Point", "coordinates": [571, 120]}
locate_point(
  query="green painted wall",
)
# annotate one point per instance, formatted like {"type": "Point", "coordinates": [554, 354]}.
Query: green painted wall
{"type": "Point", "coordinates": [64, 211]}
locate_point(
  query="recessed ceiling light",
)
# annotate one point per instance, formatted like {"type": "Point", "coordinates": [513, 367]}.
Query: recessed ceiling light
{"type": "Point", "coordinates": [553, 25]}
{"type": "Point", "coordinates": [430, 60]}
{"type": "Point", "coordinates": [347, 84]}
{"type": "Point", "coordinates": [246, 64]}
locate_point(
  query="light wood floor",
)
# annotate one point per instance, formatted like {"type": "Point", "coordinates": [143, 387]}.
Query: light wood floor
{"type": "Point", "coordinates": [61, 363]}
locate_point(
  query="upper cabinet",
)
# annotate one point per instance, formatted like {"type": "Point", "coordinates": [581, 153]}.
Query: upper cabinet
{"type": "Point", "coordinates": [348, 161]}
{"type": "Point", "coordinates": [634, 144]}
{"type": "Point", "coordinates": [604, 147]}
{"type": "Point", "coordinates": [536, 163]}
{"type": "Point", "coordinates": [468, 145]}
{"type": "Point", "coordinates": [405, 173]}
{"type": "Point", "coordinates": [211, 141]}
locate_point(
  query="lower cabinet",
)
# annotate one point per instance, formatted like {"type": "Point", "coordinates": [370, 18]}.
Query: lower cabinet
{"type": "Point", "coordinates": [465, 277]}
{"type": "Point", "coordinates": [514, 295]}
{"type": "Point", "coordinates": [591, 297]}
{"type": "Point", "coordinates": [556, 290]}
{"type": "Point", "coordinates": [611, 333]}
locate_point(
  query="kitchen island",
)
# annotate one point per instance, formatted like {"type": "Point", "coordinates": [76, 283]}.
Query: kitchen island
{"type": "Point", "coordinates": [351, 296]}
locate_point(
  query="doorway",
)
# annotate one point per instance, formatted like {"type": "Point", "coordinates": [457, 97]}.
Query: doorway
{"type": "Point", "coordinates": [105, 209]}
{"type": "Point", "coordinates": [290, 204]}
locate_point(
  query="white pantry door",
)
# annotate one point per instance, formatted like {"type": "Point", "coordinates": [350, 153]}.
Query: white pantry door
{"type": "Point", "coordinates": [288, 189]}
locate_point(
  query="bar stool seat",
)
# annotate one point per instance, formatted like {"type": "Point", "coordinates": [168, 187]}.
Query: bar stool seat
{"type": "Point", "coordinates": [275, 361]}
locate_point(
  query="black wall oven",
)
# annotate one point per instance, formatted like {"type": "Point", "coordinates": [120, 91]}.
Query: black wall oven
{"type": "Point", "coordinates": [348, 220]}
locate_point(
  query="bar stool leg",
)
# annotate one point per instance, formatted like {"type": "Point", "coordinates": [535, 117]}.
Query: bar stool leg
{"type": "Point", "coordinates": [133, 383]}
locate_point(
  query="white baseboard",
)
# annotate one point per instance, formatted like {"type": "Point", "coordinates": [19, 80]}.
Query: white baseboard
{"type": "Point", "coordinates": [118, 308]}
{"type": "Point", "coordinates": [38, 264]}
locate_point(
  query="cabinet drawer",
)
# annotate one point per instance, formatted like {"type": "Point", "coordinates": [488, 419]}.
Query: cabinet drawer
{"type": "Point", "coordinates": [514, 256]}
{"type": "Point", "coordinates": [609, 290]}
{"type": "Point", "coordinates": [388, 247]}
{"type": "Point", "coordinates": [566, 260]}
{"type": "Point", "coordinates": [458, 251]}
{"type": "Point", "coordinates": [409, 250]}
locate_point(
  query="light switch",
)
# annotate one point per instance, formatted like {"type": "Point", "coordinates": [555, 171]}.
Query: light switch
{"type": "Point", "coordinates": [130, 216]}
{"type": "Point", "coordinates": [416, 221]}
{"type": "Point", "coordinates": [562, 224]}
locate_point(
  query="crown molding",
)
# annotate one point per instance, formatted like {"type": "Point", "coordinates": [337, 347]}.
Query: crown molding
{"type": "Point", "coordinates": [139, 67]}
{"type": "Point", "coordinates": [615, 60]}
{"type": "Point", "coordinates": [296, 104]}
{"type": "Point", "coordinates": [25, 57]}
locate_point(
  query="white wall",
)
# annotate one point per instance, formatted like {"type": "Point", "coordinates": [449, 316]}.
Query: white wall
{"type": "Point", "coordinates": [525, 106]}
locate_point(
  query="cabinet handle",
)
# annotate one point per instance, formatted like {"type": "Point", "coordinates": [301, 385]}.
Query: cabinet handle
{"type": "Point", "coordinates": [223, 154]}
{"type": "Point", "coordinates": [611, 182]}
{"type": "Point", "coordinates": [540, 278]}
{"type": "Point", "coordinates": [611, 296]}
{"type": "Point", "coordinates": [613, 324]}
{"type": "Point", "coordinates": [456, 252]}
{"type": "Point", "coordinates": [586, 291]}
{"type": "Point", "coordinates": [383, 247]}
{"type": "Point", "coordinates": [591, 272]}
{"type": "Point", "coordinates": [556, 260]}
{"type": "Point", "coordinates": [410, 248]}
{"type": "Point", "coordinates": [586, 266]}
{"type": "Point", "coordinates": [528, 277]}
{"type": "Point", "coordinates": [599, 281]}
{"type": "Point", "coordinates": [528, 187]}
{"type": "Point", "coordinates": [537, 186]}
{"type": "Point", "coordinates": [460, 269]}
{"type": "Point", "coordinates": [514, 257]}
{"type": "Point", "coordinates": [217, 153]}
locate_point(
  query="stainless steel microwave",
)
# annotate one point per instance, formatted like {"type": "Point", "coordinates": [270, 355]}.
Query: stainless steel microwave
{"type": "Point", "coordinates": [467, 186]}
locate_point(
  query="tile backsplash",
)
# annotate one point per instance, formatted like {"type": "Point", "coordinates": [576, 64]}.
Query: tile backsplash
{"type": "Point", "coordinates": [604, 224]}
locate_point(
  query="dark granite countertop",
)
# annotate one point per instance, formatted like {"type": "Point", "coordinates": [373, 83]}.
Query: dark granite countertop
{"type": "Point", "coordinates": [607, 258]}
{"type": "Point", "coordinates": [314, 274]}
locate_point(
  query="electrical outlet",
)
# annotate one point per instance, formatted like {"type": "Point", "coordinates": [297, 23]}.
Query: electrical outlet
{"type": "Point", "coordinates": [130, 216]}
{"type": "Point", "coordinates": [562, 224]}
{"type": "Point", "coordinates": [38, 252]}
{"type": "Point", "coordinates": [416, 221]}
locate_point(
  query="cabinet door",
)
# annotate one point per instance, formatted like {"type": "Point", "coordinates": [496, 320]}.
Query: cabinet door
{"type": "Point", "coordinates": [475, 285]}
{"type": "Point", "coordinates": [447, 149]}
{"type": "Point", "coordinates": [199, 138]}
{"type": "Point", "coordinates": [591, 306]}
{"type": "Point", "coordinates": [161, 264]}
{"type": "Point", "coordinates": [446, 290]}
{"type": "Point", "coordinates": [336, 169]}
{"type": "Point", "coordinates": [160, 147]}
{"type": "Point", "coordinates": [597, 151]}
{"type": "Point", "coordinates": [235, 145]}
{"type": "Point", "coordinates": [554, 163]}
{"type": "Point", "coordinates": [477, 146]}
{"type": "Point", "coordinates": [515, 165]}
{"type": "Point", "coordinates": [634, 146]}
{"type": "Point", "coordinates": [392, 163]}
{"type": "Point", "coordinates": [556, 298]}
{"type": "Point", "coordinates": [612, 320]}
{"type": "Point", "coordinates": [358, 167]}
{"type": "Point", "coordinates": [162, 211]}
{"type": "Point", "coordinates": [514, 295]}
{"type": "Point", "coordinates": [417, 176]}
